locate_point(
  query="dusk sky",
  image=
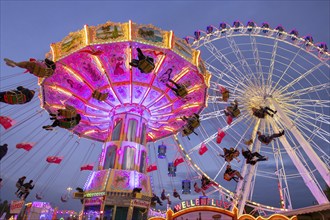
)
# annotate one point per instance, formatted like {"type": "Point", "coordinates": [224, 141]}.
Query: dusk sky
{"type": "Point", "coordinates": [29, 27]}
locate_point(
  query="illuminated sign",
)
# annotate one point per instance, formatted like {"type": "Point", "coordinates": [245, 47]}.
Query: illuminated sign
{"type": "Point", "coordinates": [93, 201]}
{"type": "Point", "coordinates": [201, 202]}
{"type": "Point", "coordinates": [140, 203]}
{"type": "Point", "coordinates": [16, 206]}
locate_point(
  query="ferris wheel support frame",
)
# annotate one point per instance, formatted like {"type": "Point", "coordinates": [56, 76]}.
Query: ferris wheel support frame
{"type": "Point", "coordinates": [239, 186]}
{"type": "Point", "coordinates": [318, 163]}
{"type": "Point", "coordinates": [304, 173]}
{"type": "Point", "coordinates": [251, 172]}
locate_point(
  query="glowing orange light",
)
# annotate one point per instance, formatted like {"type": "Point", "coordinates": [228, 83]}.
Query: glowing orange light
{"type": "Point", "coordinates": [72, 73]}
{"type": "Point", "coordinates": [181, 74]}
{"type": "Point", "coordinates": [86, 34]}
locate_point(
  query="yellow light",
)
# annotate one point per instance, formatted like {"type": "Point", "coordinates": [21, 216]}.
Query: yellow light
{"type": "Point", "coordinates": [190, 106]}
{"type": "Point", "coordinates": [207, 79]}
{"type": "Point", "coordinates": [61, 90]}
{"type": "Point", "coordinates": [151, 135]}
{"type": "Point", "coordinates": [170, 40]}
{"type": "Point", "coordinates": [129, 30]}
{"type": "Point", "coordinates": [161, 60]}
{"type": "Point", "coordinates": [53, 52]}
{"type": "Point", "coordinates": [181, 74]}
{"type": "Point", "coordinates": [86, 34]}
{"type": "Point", "coordinates": [91, 107]}
{"type": "Point", "coordinates": [206, 101]}
{"type": "Point", "coordinates": [197, 57]}
{"type": "Point", "coordinates": [98, 63]}
{"type": "Point", "coordinates": [193, 89]}
{"type": "Point", "coordinates": [71, 72]}
{"type": "Point", "coordinates": [89, 132]}
{"type": "Point", "coordinates": [165, 106]}
{"type": "Point", "coordinates": [168, 128]}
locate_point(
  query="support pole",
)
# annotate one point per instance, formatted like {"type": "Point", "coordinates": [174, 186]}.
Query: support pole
{"type": "Point", "coordinates": [315, 159]}
{"type": "Point", "coordinates": [239, 187]}
{"type": "Point", "coordinates": [248, 178]}
{"type": "Point", "coordinates": [304, 173]}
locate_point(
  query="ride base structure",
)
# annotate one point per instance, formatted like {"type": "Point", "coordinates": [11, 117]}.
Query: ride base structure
{"type": "Point", "coordinates": [123, 106]}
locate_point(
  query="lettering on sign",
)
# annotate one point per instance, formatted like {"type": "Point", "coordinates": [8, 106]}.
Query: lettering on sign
{"type": "Point", "coordinates": [201, 202]}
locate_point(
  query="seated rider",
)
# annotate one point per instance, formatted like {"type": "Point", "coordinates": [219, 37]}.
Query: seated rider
{"type": "Point", "coordinates": [232, 110]}
{"type": "Point", "coordinates": [253, 158]}
{"type": "Point", "coordinates": [193, 120]}
{"type": "Point", "coordinates": [144, 63]}
{"type": "Point", "coordinates": [19, 184]}
{"type": "Point", "coordinates": [266, 139]}
{"type": "Point", "coordinates": [179, 89]}
{"type": "Point", "coordinates": [230, 154]}
{"type": "Point", "coordinates": [68, 112]}
{"type": "Point", "coordinates": [176, 194]}
{"type": "Point", "coordinates": [164, 197]}
{"type": "Point", "coordinates": [262, 111]}
{"type": "Point", "coordinates": [25, 190]}
{"type": "Point", "coordinates": [19, 96]}
{"type": "Point", "coordinates": [198, 190]}
{"type": "Point", "coordinates": [67, 123]}
{"type": "Point", "coordinates": [231, 174]}
{"type": "Point", "coordinates": [155, 199]}
{"type": "Point", "coordinates": [39, 69]}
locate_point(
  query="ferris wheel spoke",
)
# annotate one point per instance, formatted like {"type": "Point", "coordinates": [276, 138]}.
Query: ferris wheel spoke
{"type": "Point", "coordinates": [239, 56]}
{"type": "Point", "coordinates": [287, 68]}
{"type": "Point", "coordinates": [309, 114]}
{"type": "Point", "coordinates": [211, 115]}
{"type": "Point", "coordinates": [226, 63]}
{"type": "Point", "coordinates": [317, 103]}
{"type": "Point", "coordinates": [308, 90]}
{"type": "Point", "coordinates": [303, 76]}
{"type": "Point", "coordinates": [272, 64]}
{"type": "Point", "coordinates": [256, 57]}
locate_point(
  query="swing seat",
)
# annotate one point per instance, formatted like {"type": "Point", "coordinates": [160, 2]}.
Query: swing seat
{"type": "Point", "coordinates": [195, 124]}
{"type": "Point", "coordinates": [182, 92]}
{"type": "Point", "coordinates": [236, 113]}
{"type": "Point", "coordinates": [67, 124]}
{"type": "Point", "coordinates": [186, 131]}
{"type": "Point", "coordinates": [146, 66]}
{"type": "Point", "coordinates": [68, 112]}
{"type": "Point", "coordinates": [225, 96]}
{"type": "Point", "coordinates": [38, 70]}
{"type": "Point", "coordinates": [248, 142]}
{"type": "Point", "coordinates": [15, 98]}
{"type": "Point", "coordinates": [100, 96]}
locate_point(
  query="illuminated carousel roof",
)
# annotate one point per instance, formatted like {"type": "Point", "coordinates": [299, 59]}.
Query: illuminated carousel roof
{"type": "Point", "coordinates": [97, 58]}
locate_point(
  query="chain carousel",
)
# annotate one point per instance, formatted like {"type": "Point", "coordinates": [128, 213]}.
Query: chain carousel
{"type": "Point", "coordinates": [131, 84]}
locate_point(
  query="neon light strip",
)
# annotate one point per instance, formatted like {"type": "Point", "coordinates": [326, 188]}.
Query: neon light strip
{"type": "Point", "coordinates": [99, 64]}
{"type": "Point", "coordinates": [196, 104]}
{"type": "Point", "coordinates": [181, 74]}
{"type": "Point", "coordinates": [193, 89]}
{"type": "Point", "coordinates": [130, 74]}
{"type": "Point", "coordinates": [89, 132]}
{"type": "Point", "coordinates": [86, 34]}
{"type": "Point", "coordinates": [197, 57]}
{"type": "Point", "coordinates": [151, 135]}
{"type": "Point", "coordinates": [170, 40]}
{"type": "Point", "coordinates": [68, 93]}
{"type": "Point", "coordinates": [129, 30]}
{"type": "Point", "coordinates": [168, 128]}
{"type": "Point", "coordinates": [72, 73]}
{"type": "Point", "coordinates": [53, 52]}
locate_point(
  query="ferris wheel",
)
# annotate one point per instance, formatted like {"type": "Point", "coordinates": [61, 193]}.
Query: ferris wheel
{"type": "Point", "coordinates": [264, 67]}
